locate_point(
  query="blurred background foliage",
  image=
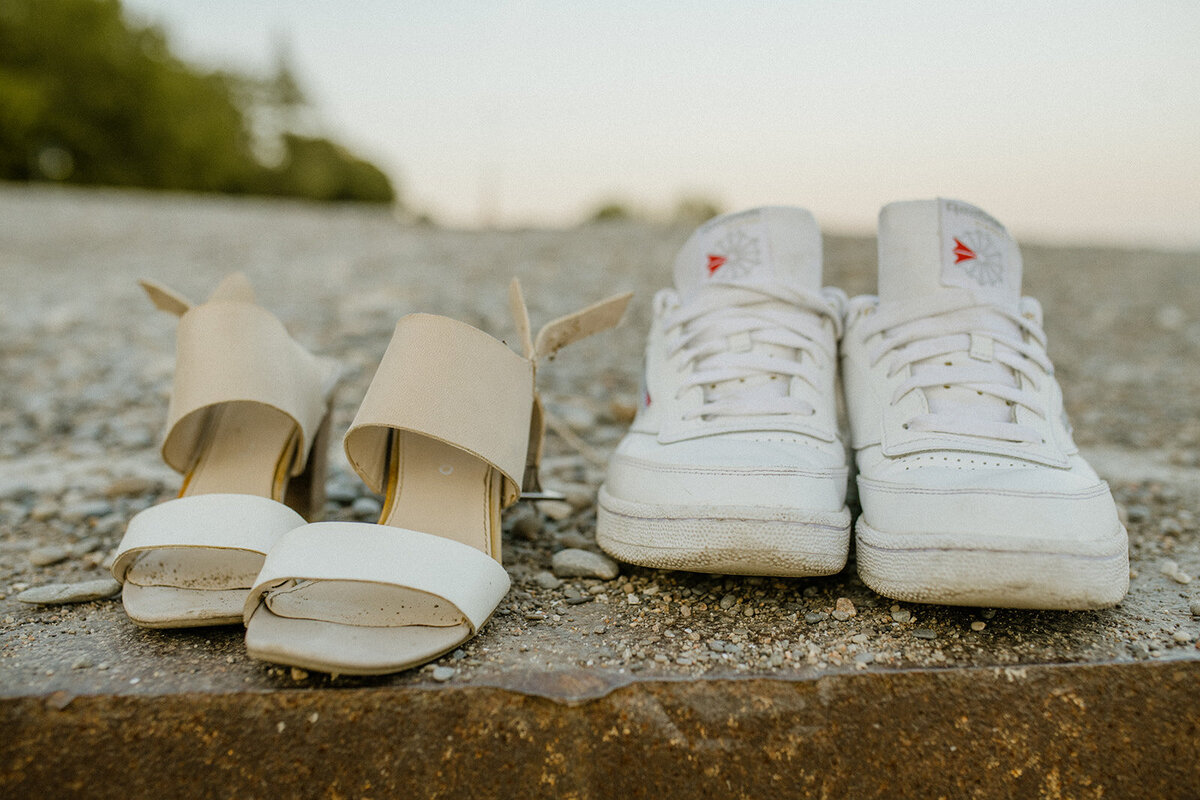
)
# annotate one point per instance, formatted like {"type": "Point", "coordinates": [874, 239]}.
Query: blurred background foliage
{"type": "Point", "coordinates": [87, 97]}
{"type": "Point", "coordinates": [689, 211]}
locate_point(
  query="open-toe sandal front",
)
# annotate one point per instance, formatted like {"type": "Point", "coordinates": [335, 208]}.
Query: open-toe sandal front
{"type": "Point", "coordinates": [447, 433]}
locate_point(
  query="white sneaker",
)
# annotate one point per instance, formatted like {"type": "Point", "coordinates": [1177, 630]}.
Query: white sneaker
{"type": "Point", "coordinates": [972, 491]}
{"type": "Point", "coordinates": [734, 463]}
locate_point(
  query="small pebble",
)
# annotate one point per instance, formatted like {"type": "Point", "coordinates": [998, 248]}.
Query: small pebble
{"type": "Point", "coordinates": [1183, 637]}
{"type": "Point", "coordinates": [728, 601]}
{"type": "Point", "coordinates": [546, 580]}
{"type": "Point", "coordinates": [901, 614]}
{"type": "Point", "coordinates": [578, 495]}
{"type": "Point", "coordinates": [1170, 318]}
{"type": "Point", "coordinates": [526, 522]}
{"type": "Point", "coordinates": [1170, 526]}
{"type": "Point", "coordinates": [367, 507]}
{"type": "Point", "coordinates": [1138, 513]}
{"type": "Point", "coordinates": [86, 546]}
{"type": "Point", "coordinates": [1169, 494]}
{"type": "Point", "coordinates": [844, 609]}
{"type": "Point", "coordinates": [17, 491]}
{"type": "Point", "coordinates": [555, 509]}
{"type": "Point", "coordinates": [1171, 570]}
{"type": "Point", "coordinates": [573, 540]}
{"type": "Point", "coordinates": [1195, 609]}
{"type": "Point", "coordinates": [51, 554]}
{"type": "Point", "coordinates": [53, 594]}
{"type": "Point", "coordinates": [925, 633]}
{"type": "Point", "coordinates": [342, 493]}
{"type": "Point", "coordinates": [43, 511]}
{"type": "Point", "coordinates": [110, 524]}
{"type": "Point", "coordinates": [81, 663]}
{"type": "Point", "coordinates": [813, 617]}
{"type": "Point", "coordinates": [299, 674]}
{"type": "Point", "coordinates": [573, 563]}
{"type": "Point", "coordinates": [978, 625]}
{"type": "Point", "coordinates": [443, 674]}
{"type": "Point", "coordinates": [86, 509]}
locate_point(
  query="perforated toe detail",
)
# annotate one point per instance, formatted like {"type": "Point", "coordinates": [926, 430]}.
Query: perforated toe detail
{"type": "Point", "coordinates": [960, 461]}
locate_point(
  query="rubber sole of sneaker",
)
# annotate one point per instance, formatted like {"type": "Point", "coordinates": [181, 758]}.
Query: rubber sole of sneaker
{"type": "Point", "coordinates": [994, 571]}
{"type": "Point", "coordinates": [727, 540]}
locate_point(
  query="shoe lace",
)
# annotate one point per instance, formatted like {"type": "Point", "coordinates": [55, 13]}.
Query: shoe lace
{"type": "Point", "coordinates": [1005, 359]}
{"type": "Point", "coordinates": [737, 339]}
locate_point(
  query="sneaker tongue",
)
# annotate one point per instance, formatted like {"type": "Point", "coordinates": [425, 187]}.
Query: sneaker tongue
{"type": "Point", "coordinates": [931, 247]}
{"type": "Point", "coordinates": [927, 247]}
{"type": "Point", "coordinates": [763, 245]}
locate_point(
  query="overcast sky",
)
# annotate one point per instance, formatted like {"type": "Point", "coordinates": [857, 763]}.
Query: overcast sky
{"type": "Point", "coordinates": [1069, 121]}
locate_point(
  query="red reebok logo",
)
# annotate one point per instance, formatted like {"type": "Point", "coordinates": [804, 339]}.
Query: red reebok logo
{"type": "Point", "coordinates": [715, 263]}
{"type": "Point", "coordinates": [961, 252]}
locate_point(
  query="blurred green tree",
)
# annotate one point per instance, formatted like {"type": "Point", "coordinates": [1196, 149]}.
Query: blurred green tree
{"type": "Point", "coordinates": [611, 211]}
{"type": "Point", "coordinates": [86, 97]}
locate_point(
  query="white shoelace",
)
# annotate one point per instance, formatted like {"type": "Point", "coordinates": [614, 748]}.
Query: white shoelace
{"type": "Point", "coordinates": [996, 364]}
{"type": "Point", "coordinates": [752, 334]}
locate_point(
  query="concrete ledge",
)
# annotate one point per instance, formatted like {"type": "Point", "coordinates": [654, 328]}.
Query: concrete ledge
{"type": "Point", "coordinates": [1101, 730]}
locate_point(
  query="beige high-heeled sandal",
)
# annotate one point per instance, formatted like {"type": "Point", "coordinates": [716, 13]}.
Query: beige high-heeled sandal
{"type": "Point", "coordinates": [449, 431]}
{"type": "Point", "coordinates": [248, 426]}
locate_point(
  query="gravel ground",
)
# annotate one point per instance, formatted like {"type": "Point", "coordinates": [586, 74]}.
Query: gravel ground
{"type": "Point", "coordinates": [87, 365]}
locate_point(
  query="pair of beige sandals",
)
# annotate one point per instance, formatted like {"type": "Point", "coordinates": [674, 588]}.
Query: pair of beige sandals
{"type": "Point", "coordinates": [450, 432]}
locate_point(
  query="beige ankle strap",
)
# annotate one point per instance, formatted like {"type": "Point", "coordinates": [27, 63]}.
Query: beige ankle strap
{"type": "Point", "coordinates": [552, 337]}
{"type": "Point", "coordinates": [230, 350]}
{"type": "Point", "coordinates": [452, 382]}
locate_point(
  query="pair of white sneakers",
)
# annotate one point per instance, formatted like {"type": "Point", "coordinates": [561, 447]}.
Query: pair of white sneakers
{"type": "Point", "coordinates": [972, 490]}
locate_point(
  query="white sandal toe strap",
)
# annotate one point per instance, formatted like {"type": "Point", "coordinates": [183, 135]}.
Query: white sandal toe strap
{"type": "Point", "coordinates": [362, 553]}
{"type": "Point", "coordinates": [211, 521]}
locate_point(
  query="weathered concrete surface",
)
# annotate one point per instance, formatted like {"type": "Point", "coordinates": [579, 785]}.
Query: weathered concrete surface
{"type": "Point", "coordinates": [882, 694]}
{"type": "Point", "coordinates": [1056, 732]}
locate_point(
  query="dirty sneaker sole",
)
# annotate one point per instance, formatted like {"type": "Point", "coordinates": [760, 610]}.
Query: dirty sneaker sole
{"type": "Point", "coordinates": [1003, 572]}
{"type": "Point", "coordinates": [729, 540]}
